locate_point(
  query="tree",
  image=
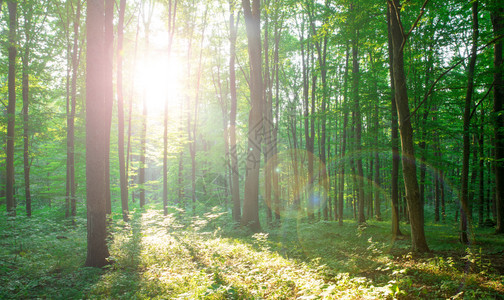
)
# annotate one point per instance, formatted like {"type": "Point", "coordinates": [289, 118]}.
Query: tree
{"type": "Point", "coordinates": [464, 200]}
{"type": "Point", "coordinates": [252, 15]}
{"type": "Point", "coordinates": [143, 135]}
{"type": "Point", "coordinates": [415, 205]}
{"type": "Point", "coordinates": [71, 107]}
{"type": "Point", "coordinates": [26, 104]}
{"type": "Point", "coordinates": [498, 113]}
{"type": "Point", "coordinates": [109, 92]}
{"type": "Point", "coordinates": [357, 117]}
{"type": "Point", "coordinates": [172, 13]}
{"type": "Point", "coordinates": [11, 108]}
{"type": "Point", "coordinates": [344, 138]}
{"type": "Point", "coordinates": [97, 250]}
{"type": "Point", "coordinates": [235, 183]}
{"type": "Point", "coordinates": [123, 178]}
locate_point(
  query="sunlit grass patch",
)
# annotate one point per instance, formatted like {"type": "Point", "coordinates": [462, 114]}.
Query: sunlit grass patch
{"type": "Point", "coordinates": [207, 257]}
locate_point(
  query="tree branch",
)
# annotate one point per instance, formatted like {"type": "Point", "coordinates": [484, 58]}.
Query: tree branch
{"type": "Point", "coordinates": [493, 41]}
{"type": "Point", "coordinates": [405, 37]}
{"type": "Point", "coordinates": [481, 100]}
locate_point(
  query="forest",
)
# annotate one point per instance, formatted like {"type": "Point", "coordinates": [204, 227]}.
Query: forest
{"type": "Point", "coordinates": [274, 149]}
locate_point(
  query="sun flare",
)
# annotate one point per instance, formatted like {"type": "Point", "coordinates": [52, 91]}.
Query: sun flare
{"type": "Point", "coordinates": [158, 79]}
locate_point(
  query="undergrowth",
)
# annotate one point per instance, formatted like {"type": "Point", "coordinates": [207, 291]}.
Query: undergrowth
{"type": "Point", "coordinates": [209, 257]}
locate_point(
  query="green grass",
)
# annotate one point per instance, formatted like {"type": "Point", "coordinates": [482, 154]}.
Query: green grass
{"type": "Point", "coordinates": [207, 257]}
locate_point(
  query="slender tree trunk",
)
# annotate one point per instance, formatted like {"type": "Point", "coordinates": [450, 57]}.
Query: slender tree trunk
{"type": "Point", "coordinates": [358, 127]}
{"type": "Point", "coordinates": [172, 13]}
{"type": "Point", "coordinates": [143, 134]}
{"type": "Point", "coordinates": [396, 231]}
{"type": "Point", "coordinates": [415, 205]}
{"type": "Point", "coordinates": [73, 103]}
{"type": "Point", "coordinates": [464, 191]}
{"type": "Point", "coordinates": [311, 150]}
{"type": "Point", "coordinates": [11, 109]}
{"type": "Point", "coordinates": [123, 179]}
{"type": "Point", "coordinates": [268, 122]}
{"type": "Point", "coordinates": [235, 186]}
{"type": "Point", "coordinates": [306, 116]}
{"type": "Point", "coordinates": [498, 26]}
{"type": "Point", "coordinates": [109, 92]}
{"type": "Point", "coordinates": [225, 121]}
{"type": "Point", "coordinates": [437, 177]}
{"type": "Point", "coordinates": [97, 250]}
{"type": "Point", "coordinates": [276, 63]}
{"type": "Point", "coordinates": [193, 130]}
{"type": "Point", "coordinates": [377, 210]}
{"type": "Point", "coordinates": [68, 109]}
{"type": "Point", "coordinates": [130, 111]}
{"type": "Point", "coordinates": [344, 139]}
{"type": "Point", "coordinates": [26, 104]}
{"type": "Point", "coordinates": [252, 15]}
{"type": "Point", "coordinates": [481, 169]}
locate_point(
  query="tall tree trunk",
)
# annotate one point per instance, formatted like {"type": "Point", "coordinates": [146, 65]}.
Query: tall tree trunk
{"type": "Point", "coordinates": [97, 250]}
{"type": "Point", "coordinates": [252, 15]}
{"type": "Point", "coordinates": [344, 139]}
{"type": "Point", "coordinates": [306, 117]}
{"type": "Point", "coordinates": [73, 102]}
{"type": "Point", "coordinates": [26, 104]}
{"type": "Point", "coordinates": [143, 133]}
{"type": "Point", "coordinates": [109, 92]}
{"type": "Point", "coordinates": [311, 150]}
{"type": "Point", "coordinates": [377, 210]}
{"type": "Point", "coordinates": [437, 177]}
{"type": "Point", "coordinates": [123, 179]}
{"type": "Point", "coordinates": [498, 26]}
{"type": "Point", "coordinates": [464, 191]}
{"type": "Point", "coordinates": [276, 63]}
{"type": "Point", "coordinates": [193, 131]}
{"type": "Point", "coordinates": [396, 231]}
{"type": "Point", "coordinates": [68, 109]}
{"type": "Point", "coordinates": [321, 47]}
{"type": "Point", "coordinates": [11, 109]}
{"type": "Point", "coordinates": [415, 205]}
{"type": "Point", "coordinates": [172, 13]}
{"type": "Point", "coordinates": [267, 121]}
{"type": "Point", "coordinates": [235, 186]}
{"type": "Point", "coordinates": [130, 110]}
{"type": "Point", "coordinates": [481, 168]}
{"type": "Point", "coordinates": [358, 126]}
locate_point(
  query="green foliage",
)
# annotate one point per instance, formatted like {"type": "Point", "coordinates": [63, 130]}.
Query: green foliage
{"type": "Point", "coordinates": [207, 257]}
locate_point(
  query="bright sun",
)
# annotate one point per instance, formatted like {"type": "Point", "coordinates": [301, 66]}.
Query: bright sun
{"type": "Point", "coordinates": [158, 80]}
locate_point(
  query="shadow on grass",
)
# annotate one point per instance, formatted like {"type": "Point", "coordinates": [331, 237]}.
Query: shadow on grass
{"type": "Point", "coordinates": [122, 277]}
{"type": "Point", "coordinates": [369, 252]}
{"type": "Point", "coordinates": [43, 257]}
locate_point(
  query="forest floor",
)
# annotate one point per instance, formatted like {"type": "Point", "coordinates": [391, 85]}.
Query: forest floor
{"type": "Point", "coordinates": [176, 257]}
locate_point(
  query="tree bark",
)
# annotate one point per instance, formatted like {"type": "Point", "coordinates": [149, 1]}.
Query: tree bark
{"type": "Point", "coordinates": [235, 186]}
{"type": "Point", "coordinates": [481, 169]}
{"type": "Point", "coordinates": [26, 104]}
{"type": "Point", "coordinates": [97, 250]}
{"type": "Point", "coordinates": [143, 133]}
{"type": "Point", "coordinates": [396, 231]}
{"type": "Point", "coordinates": [344, 139]}
{"type": "Point", "coordinates": [123, 179]}
{"type": "Point", "coordinates": [358, 125]}
{"type": "Point", "coordinates": [172, 13]}
{"type": "Point", "coordinates": [252, 15]}
{"type": "Point", "coordinates": [415, 205]}
{"type": "Point", "coordinates": [464, 191]}
{"type": "Point", "coordinates": [109, 93]}
{"type": "Point", "coordinates": [11, 109]}
{"type": "Point", "coordinates": [498, 25]}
